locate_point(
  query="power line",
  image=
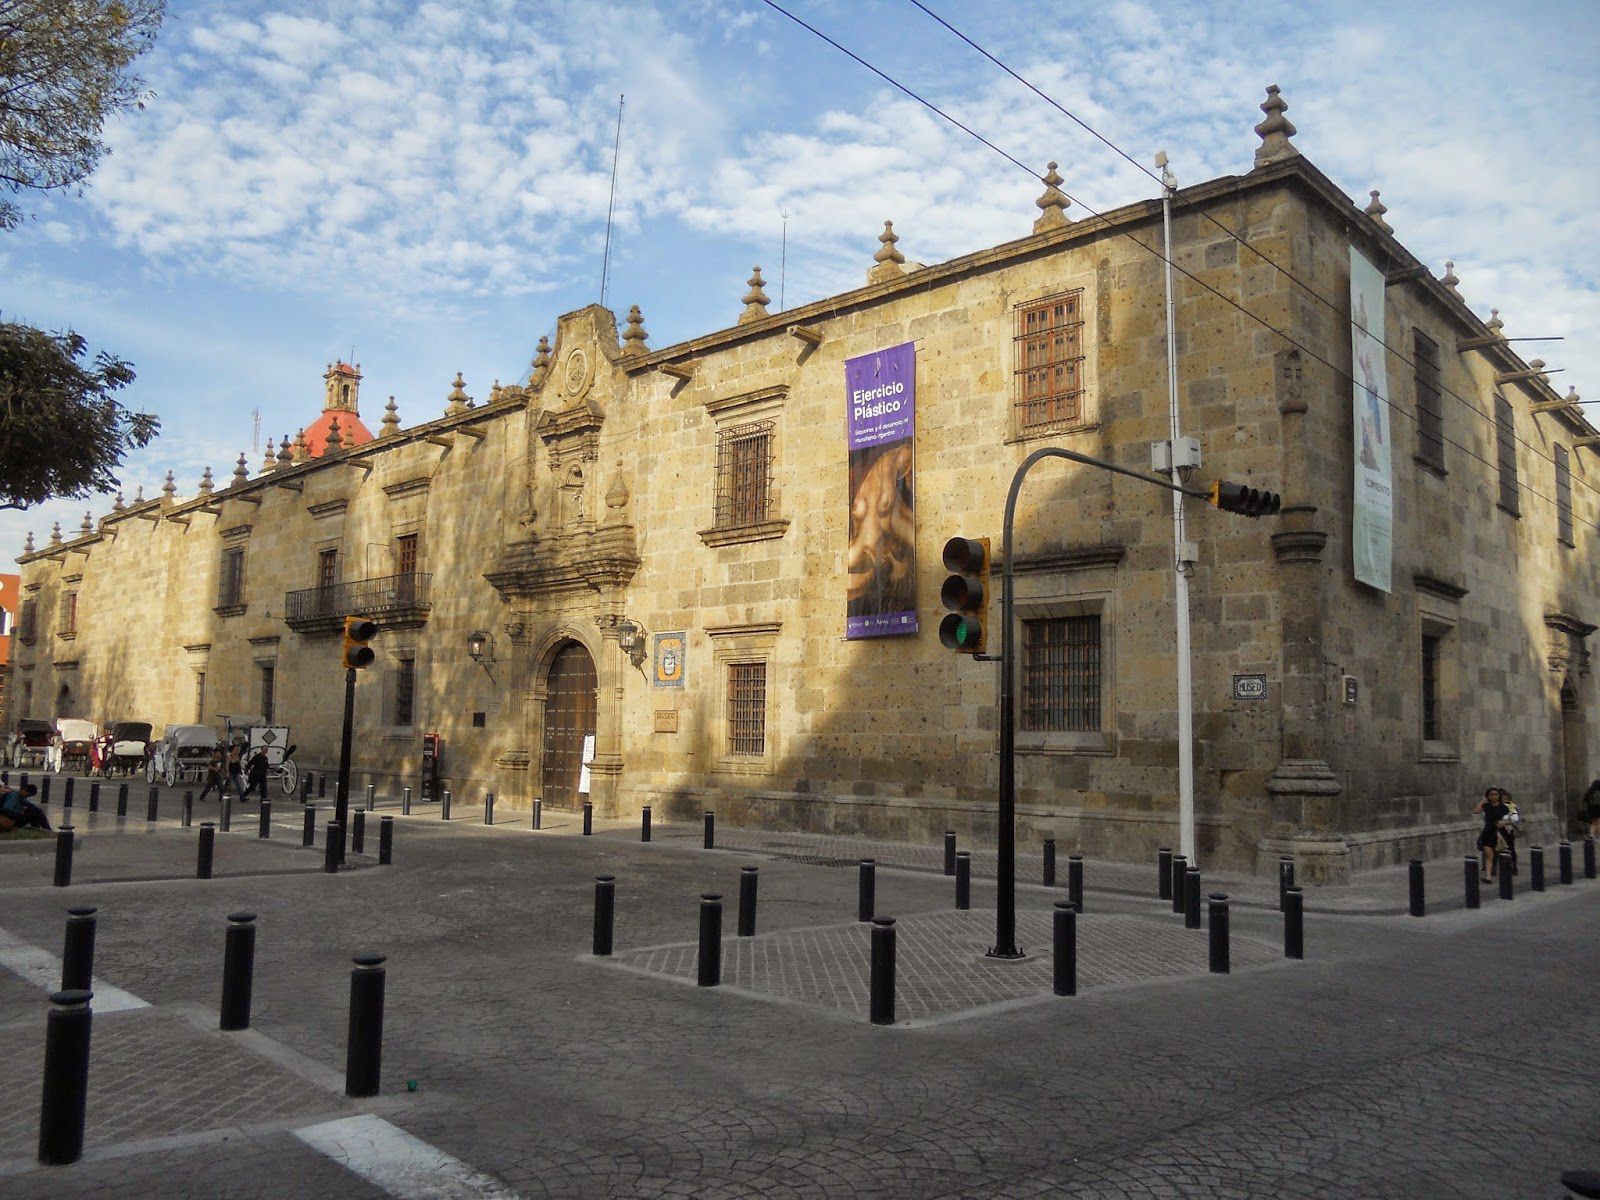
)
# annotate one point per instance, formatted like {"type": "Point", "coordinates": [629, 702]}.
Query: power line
{"type": "Point", "coordinates": [1192, 206]}
{"type": "Point", "coordinates": [1261, 321]}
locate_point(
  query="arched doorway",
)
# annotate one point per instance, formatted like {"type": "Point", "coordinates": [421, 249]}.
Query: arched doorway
{"type": "Point", "coordinates": [64, 701]}
{"type": "Point", "coordinates": [1575, 758]}
{"type": "Point", "coordinates": [569, 718]}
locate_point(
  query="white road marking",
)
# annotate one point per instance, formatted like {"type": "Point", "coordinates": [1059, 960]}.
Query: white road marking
{"type": "Point", "coordinates": [43, 969]}
{"type": "Point", "coordinates": [405, 1167]}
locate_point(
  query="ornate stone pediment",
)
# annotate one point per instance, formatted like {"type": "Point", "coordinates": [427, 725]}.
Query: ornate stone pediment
{"type": "Point", "coordinates": [1564, 637]}
{"type": "Point", "coordinates": [592, 560]}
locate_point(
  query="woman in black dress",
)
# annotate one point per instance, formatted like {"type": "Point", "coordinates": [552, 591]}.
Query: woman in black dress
{"type": "Point", "coordinates": [1494, 811]}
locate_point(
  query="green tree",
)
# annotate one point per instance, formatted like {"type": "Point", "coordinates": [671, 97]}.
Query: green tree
{"type": "Point", "coordinates": [64, 68]}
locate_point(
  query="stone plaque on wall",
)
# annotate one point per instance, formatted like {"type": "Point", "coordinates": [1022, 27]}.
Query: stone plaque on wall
{"type": "Point", "coordinates": [666, 720]}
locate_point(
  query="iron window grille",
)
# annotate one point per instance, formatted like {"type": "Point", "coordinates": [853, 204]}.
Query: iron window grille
{"type": "Point", "coordinates": [747, 709]}
{"type": "Point", "coordinates": [27, 625]}
{"type": "Point", "coordinates": [1505, 445]}
{"type": "Point", "coordinates": [269, 690]}
{"type": "Point", "coordinates": [405, 692]}
{"type": "Point", "coordinates": [1048, 347]}
{"type": "Point", "coordinates": [1430, 688]}
{"type": "Point", "coordinates": [230, 589]}
{"type": "Point", "coordinates": [69, 614]}
{"type": "Point", "coordinates": [1061, 675]}
{"type": "Point", "coordinates": [744, 474]}
{"type": "Point", "coordinates": [1430, 410]}
{"type": "Point", "coordinates": [199, 697]}
{"type": "Point", "coordinates": [1563, 496]}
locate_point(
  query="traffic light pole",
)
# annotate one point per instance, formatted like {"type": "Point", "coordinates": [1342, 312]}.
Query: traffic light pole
{"type": "Point", "coordinates": [1005, 920]}
{"type": "Point", "coordinates": [342, 811]}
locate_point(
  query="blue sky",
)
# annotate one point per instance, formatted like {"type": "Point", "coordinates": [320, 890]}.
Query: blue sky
{"type": "Point", "coordinates": [427, 183]}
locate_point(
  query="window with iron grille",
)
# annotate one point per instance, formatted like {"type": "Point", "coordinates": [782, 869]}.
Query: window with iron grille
{"type": "Point", "coordinates": [1061, 674]}
{"type": "Point", "coordinates": [230, 584]}
{"type": "Point", "coordinates": [269, 689]}
{"type": "Point", "coordinates": [405, 692]}
{"type": "Point", "coordinates": [27, 698]}
{"type": "Point", "coordinates": [69, 614]}
{"type": "Point", "coordinates": [1563, 496]}
{"type": "Point", "coordinates": [1430, 410]}
{"type": "Point", "coordinates": [199, 697]}
{"type": "Point", "coordinates": [744, 474]}
{"type": "Point", "coordinates": [27, 623]}
{"type": "Point", "coordinates": [747, 709]}
{"type": "Point", "coordinates": [1505, 446]}
{"type": "Point", "coordinates": [1048, 346]}
{"type": "Point", "coordinates": [1430, 688]}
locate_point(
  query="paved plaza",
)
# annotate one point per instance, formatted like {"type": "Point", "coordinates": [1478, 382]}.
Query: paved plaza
{"type": "Point", "coordinates": [1450, 1056]}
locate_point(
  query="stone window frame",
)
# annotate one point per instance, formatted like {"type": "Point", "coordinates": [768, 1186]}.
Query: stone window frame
{"type": "Point", "coordinates": [231, 601]}
{"type": "Point", "coordinates": [1509, 497]}
{"type": "Point", "coordinates": [1426, 357]}
{"type": "Point", "coordinates": [68, 626]}
{"type": "Point", "coordinates": [1439, 617]}
{"type": "Point", "coordinates": [400, 645]}
{"type": "Point", "coordinates": [1089, 411]}
{"type": "Point", "coordinates": [28, 621]}
{"type": "Point", "coordinates": [1079, 602]}
{"type": "Point", "coordinates": [730, 414]}
{"type": "Point", "coordinates": [730, 644]}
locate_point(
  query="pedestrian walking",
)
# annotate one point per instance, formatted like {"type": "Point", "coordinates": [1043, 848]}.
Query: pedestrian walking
{"type": "Point", "coordinates": [235, 769]}
{"type": "Point", "coordinates": [216, 774]}
{"type": "Point", "coordinates": [1509, 825]}
{"type": "Point", "coordinates": [256, 775]}
{"type": "Point", "coordinates": [1494, 811]}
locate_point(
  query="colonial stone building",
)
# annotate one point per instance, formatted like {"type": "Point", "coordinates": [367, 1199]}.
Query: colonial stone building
{"type": "Point", "coordinates": [684, 560]}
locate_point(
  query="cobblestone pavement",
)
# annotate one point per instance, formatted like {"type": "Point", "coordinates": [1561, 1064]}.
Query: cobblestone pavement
{"type": "Point", "coordinates": [1452, 1056]}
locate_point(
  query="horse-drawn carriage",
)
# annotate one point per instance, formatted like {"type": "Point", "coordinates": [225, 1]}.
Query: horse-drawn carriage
{"type": "Point", "coordinates": [181, 755]}
{"type": "Point", "coordinates": [29, 743]}
{"type": "Point", "coordinates": [72, 746]}
{"type": "Point", "coordinates": [273, 740]}
{"type": "Point", "coordinates": [123, 748]}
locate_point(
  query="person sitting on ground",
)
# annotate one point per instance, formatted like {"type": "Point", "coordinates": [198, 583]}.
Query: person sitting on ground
{"type": "Point", "coordinates": [18, 811]}
{"type": "Point", "coordinates": [256, 775]}
{"type": "Point", "coordinates": [214, 775]}
{"type": "Point", "coordinates": [1591, 808]}
{"type": "Point", "coordinates": [1489, 838]}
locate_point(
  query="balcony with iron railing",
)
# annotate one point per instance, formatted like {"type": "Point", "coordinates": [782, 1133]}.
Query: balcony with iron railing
{"type": "Point", "coordinates": [393, 601]}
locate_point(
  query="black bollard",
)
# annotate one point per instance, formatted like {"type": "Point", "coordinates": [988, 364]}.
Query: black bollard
{"type": "Point", "coordinates": [44, 788]}
{"type": "Point", "coordinates": [66, 1077]}
{"type": "Point", "coordinates": [358, 831]}
{"type": "Point", "coordinates": [64, 839]}
{"type": "Point", "coordinates": [1219, 933]}
{"type": "Point", "coordinates": [152, 809]}
{"type": "Point", "coordinates": [405, 803]}
{"type": "Point", "coordinates": [1419, 907]}
{"type": "Point", "coordinates": [385, 841]}
{"type": "Point", "coordinates": [964, 879]}
{"type": "Point", "coordinates": [309, 836]}
{"type": "Point", "coordinates": [538, 813]}
{"type": "Point", "coordinates": [322, 786]}
{"type": "Point", "coordinates": [1588, 852]}
{"type": "Point", "coordinates": [1564, 862]}
{"type": "Point", "coordinates": [880, 986]}
{"type": "Point", "coordinates": [265, 830]}
{"type": "Point", "coordinates": [1504, 868]}
{"type": "Point", "coordinates": [66, 796]}
{"type": "Point", "coordinates": [1536, 868]}
{"type": "Point", "coordinates": [1164, 873]}
{"type": "Point", "coordinates": [305, 788]}
{"type": "Point", "coordinates": [372, 799]}
{"type": "Point", "coordinates": [238, 970]}
{"type": "Point", "coordinates": [208, 840]}
{"type": "Point", "coordinates": [330, 848]}
{"type": "Point", "coordinates": [1180, 866]}
{"type": "Point", "coordinates": [1191, 898]}
{"type": "Point", "coordinates": [1294, 923]}
{"type": "Point", "coordinates": [1064, 949]}
{"type": "Point", "coordinates": [1049, 876]}
{"type": "Point", "coordinates": [605, 908]}
{"type": "Point", "coordinates": [1075, 881]}
{"type": "Point", "coordinates": [364, 1044]}
{"type": "Point", "coordinates": [588, 818]}
{"type": "Point", "coordinates": [644, 823]}
{"type": "Point", "coordinates": [227, 812]}
{"type": "Point", "coordinates": [949, 851]}
{"type": "Point", "coordinates": [188, 809]}
{"type": "Point", "coordinates": [444, 806]}
{"type": "Point", "coordinates": [1285, 879]}
{"type": "Point", "coordinates": [1469, 876]}
{"type": "Point", "coordinates": [488, 808]}
{"type": "Point", "coordinates": [711, 830]}
{"type": "Point", "coordinates": [710, 939]}
{"type": "Point", "coordinates": [122, 800]}
{"type": "Point", "coordinates": [866, 889]}
{"type": "Point", "coordinates": [94, 797]}
{"type": "Point", "coordinates": [77, 951]}
{"type": "Point", "coordinates": [747, 901]}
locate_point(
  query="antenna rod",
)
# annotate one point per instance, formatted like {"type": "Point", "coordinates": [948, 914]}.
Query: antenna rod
{"type": "Point", "coordinates": [611, 205]}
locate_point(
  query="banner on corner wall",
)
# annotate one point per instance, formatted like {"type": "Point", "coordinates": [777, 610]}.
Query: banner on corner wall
{"type": "Point", "coordinates": [1372, 517]}
{"type": "Point", "coordinates": [880, 436]}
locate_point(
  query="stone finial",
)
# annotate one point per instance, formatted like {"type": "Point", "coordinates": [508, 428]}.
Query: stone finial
{"type": "Point", "coordinates": [391, 419]}
{"type": "Point", "coordinates": [335, 439]}
{"type": "Point", "coordinates": [88, 524]}
{"type": "Point", "coordinates": [541, 363]}
{"type": "Point", "coordinates": [1275, 131]}
{"type": "Point", "coordinates": [206, 487]}
{"type": "Point", "coordinates": [1375, 209]}
{"type": "Point", "coordinates": [169, 489]}
{"type": "Point", "coordinates": [1053, 204]}
{"type": "Point", "coordinates": [117, 504]}
{"type": "Point", "coordinates": [755, 300]}
{"type": "Point", "coordinates": [1494, 324]}
{"type": "Point", "coordinates": [285, 454]}
{"type": "Point", "coordinates": [633, 337]}
{"type": "Point", "coordinates": [1572, 397]}
{"type": "Point", "coordinates": [138, 495]}
{"type": "Point", "coordinates": [1449, 277]}
{"type": "Point", "coordinates": [1536, 365]}
{"type": "Point", "coordinates": [55, 533]}
{"type": "Point", "coordinates": [302, 448]}
{"type": "Point", "coordinates": [27, 546]}
{"type": "Point", "coordinates": [495, 392]}
{"type": "Point", "coordinates": [457, 401]}
{"type": "Point", "coordinates": [891, 263]}
{"type": "Point", "coordinates": [270, 462]}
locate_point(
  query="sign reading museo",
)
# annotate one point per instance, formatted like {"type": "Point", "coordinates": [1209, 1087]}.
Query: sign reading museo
{"type": "Point", "coordinates": [1372, 524]}
{"type": "Point", "coordinates": [880, 431]}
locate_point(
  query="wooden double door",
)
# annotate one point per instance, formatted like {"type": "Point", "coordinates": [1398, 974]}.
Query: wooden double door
{"type": "Point", "coordinates": [569, 721]}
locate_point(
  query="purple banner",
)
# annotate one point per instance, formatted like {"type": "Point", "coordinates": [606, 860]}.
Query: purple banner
{"type": "Point", "coordinates": [880, 427]}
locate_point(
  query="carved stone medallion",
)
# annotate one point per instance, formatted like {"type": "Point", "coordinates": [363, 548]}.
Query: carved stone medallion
{"type": "Point", "coordinates": [577, 373]}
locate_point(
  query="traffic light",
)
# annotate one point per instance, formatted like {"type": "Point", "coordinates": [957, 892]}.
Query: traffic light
{"type": "Point", "coordinates": [1241, 498]}
{"type": "Point", "coordinates": [358, 631]}
{"type": "Point", "coordinates": [966, 594]}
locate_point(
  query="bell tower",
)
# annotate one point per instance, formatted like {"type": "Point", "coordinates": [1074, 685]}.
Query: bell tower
{"type": "Point", "coordinates": [343, 384]}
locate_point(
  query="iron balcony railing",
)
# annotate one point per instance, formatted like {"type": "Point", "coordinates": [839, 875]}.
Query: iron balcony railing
{"type": "Point", "coordinates": [361, 597]}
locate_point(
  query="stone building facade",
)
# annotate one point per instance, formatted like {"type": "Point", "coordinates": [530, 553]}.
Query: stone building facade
{"type": "Point", "coordinates": [652, 549]}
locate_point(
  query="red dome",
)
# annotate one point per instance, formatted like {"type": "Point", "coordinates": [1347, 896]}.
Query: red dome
{"type": "Point", "coordinates": [351, 431]}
